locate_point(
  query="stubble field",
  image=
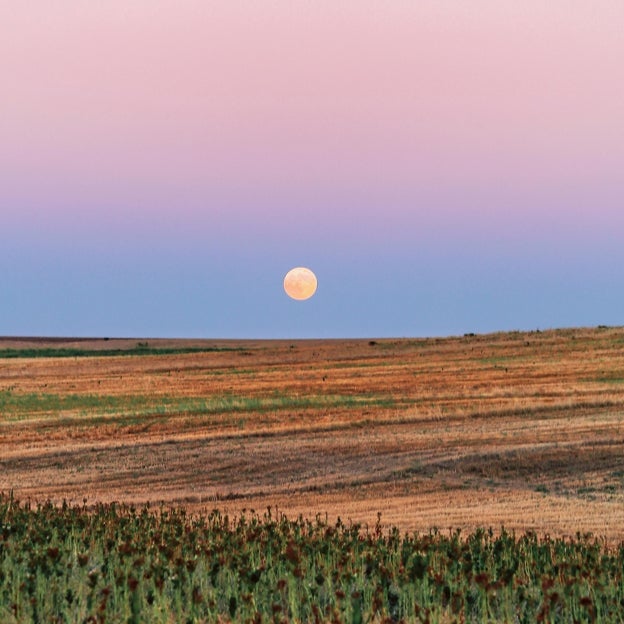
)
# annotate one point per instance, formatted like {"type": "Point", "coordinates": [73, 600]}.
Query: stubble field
{"type": "Point", "coordinates": [524, 430]}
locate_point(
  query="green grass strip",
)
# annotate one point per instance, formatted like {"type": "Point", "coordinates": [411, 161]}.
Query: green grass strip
{"type": "Point", "coordinates": [19, 405]}
{"type": "Point", "coordinates": [51, 352]}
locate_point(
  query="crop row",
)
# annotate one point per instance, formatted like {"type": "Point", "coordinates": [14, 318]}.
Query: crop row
{"type": "Point", "coordinates": [114, 563]}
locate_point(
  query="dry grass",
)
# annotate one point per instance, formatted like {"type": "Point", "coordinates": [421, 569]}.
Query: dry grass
{"type": "Point", "coordinates": [520, 429]}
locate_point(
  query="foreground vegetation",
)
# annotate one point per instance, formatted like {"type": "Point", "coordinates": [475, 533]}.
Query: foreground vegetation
{"type": "Point", "coordinates": [121, 564]}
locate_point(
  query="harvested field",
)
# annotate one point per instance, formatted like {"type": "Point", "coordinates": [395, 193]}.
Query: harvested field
{"type": "Point", "coordinates": [524, 430]}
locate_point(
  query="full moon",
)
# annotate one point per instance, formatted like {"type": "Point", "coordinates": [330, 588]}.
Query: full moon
{"type": "Point", "coordinates": [300, 283]}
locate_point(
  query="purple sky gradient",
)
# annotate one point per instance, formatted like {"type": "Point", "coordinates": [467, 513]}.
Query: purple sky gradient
{"type": "Point", "coordinates": [443, 166]}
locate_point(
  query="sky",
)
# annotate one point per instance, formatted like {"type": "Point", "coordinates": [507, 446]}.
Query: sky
{"type": "Point", "coordinates": [443, 166]}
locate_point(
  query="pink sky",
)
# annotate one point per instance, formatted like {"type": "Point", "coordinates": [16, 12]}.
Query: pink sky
{"type": "Point", "coordinates": [410, 120]}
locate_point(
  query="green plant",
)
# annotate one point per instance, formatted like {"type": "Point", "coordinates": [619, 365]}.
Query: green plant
{"type": "Point", "coordinates": [118, 563]}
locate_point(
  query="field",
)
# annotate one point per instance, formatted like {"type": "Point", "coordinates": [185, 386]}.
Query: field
{"type": "Point", "coordinates": [517, 430]}
{"type": "Point", "coordinates": [524, 430]}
